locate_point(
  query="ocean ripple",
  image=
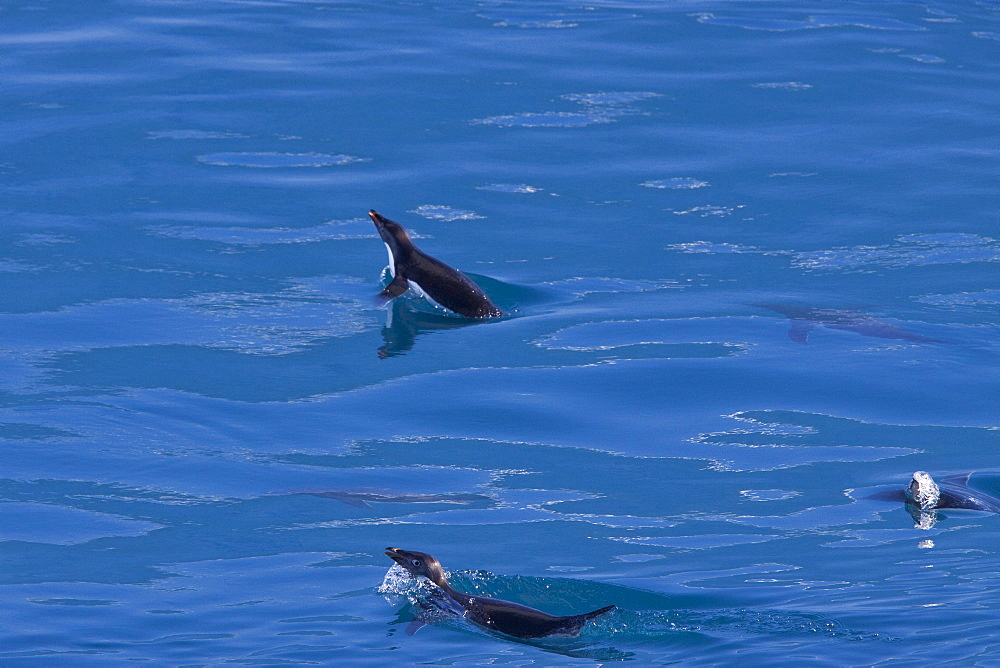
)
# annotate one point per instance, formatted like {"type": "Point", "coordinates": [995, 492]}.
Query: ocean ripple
{"type": "Point", "coordinates": [274, 159]}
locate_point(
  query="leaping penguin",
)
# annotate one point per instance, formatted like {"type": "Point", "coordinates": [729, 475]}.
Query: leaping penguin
{"type": "Point", "coordinates": [412, 269]}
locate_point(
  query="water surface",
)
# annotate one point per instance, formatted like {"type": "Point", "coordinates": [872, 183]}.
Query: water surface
{"type": "Point", "coordinates": [749, 256]}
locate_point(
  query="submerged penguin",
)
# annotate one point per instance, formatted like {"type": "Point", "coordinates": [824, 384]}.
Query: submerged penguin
{"type": "Point", "coordinates": [412, 269]}
{"type": "Point", "coordinates": [505, 616]}
{"type": "Point", "coordinates": [804, 320]}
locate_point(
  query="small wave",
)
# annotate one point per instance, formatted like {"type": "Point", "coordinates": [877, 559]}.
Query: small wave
{"type": "Point", "coordinates": [780, 439]}
{"type": "Point", "coordinates": [774, 428]}
{"type": "Point", "coordinates": [605, 107]}
{"type": "Point", "coordinates": [274, 159]}
{"type": "Point", "coordinates": [43, 239]}
{"type": "Point", "coordinates": [769, 494]}
{"type": "Point", "coordinates": [441, 212]}
{"type": "Point", "coordinates": [612, 334]}
{"type": "Point", "coordinates": [908, 250]}
{"type": "Point", "coordinates": [78, 37]}
{"type": "Point", "coordinates": [638, 557]}
{"type": "Point", "coordinates": [711, 210]}
{"type": "Point", "coordinates": [581, 286]}
{"type": "Point", "coordinates": [699, 542]}
{"type": "Point", "coordinates": [251, 236]}
{"type": "Point", "coordinates": [927, 58]}
{"type": "Point", "coordinates": [510, 188]}
{"type": "Point", "coordinates": [783, 85]}
{"type": "Point", "coordinates": [984, 297]}
{"type": "Point", "coordinates": [677, 183]}
{"type": "Point", "coordinates": [610, 98]}
{"type": "Point", "coordinates": [555, 23]}
{"type": "Point", "coordinates": [194, 134]}
{"type": "Point", "coordinates": [539, 16]}
{"type": "Point", "coordinates": [73, 601]}
{"type": "Point", "coordinates": [547, 119]}
{"type": "Point", "coordinates": [44, 105]}
{"type": "Point", "coordinates": [14, 267]}
{"type": "Point", "coordinates": [709, 247]}
{"type": "Point", "coordinates": [741, 622]}
{"type": "Point", "coordinates": [812, 22]}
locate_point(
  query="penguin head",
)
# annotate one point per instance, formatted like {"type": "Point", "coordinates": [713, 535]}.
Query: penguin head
{"type": "Point", "coordinates": [923, 490]}
{"type": "Point", "coordinates": [418, 564]}
{"type": "Point", "coordinates": [392, 233]}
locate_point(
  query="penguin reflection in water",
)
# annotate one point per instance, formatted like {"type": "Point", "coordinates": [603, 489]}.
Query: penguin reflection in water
{"type": "Point", "coordinates": [497, 615]}
{"type": "Point", "coordinates": [414, 270]}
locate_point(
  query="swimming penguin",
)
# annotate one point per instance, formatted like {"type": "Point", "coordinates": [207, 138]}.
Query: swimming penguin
{"type": "Point", "coordinates": [804, 320]}
{"type": "Point", "coordinates": [411, 268]}
{"type": "Point", "coordinates": [953, 492]}
{"type": "Point", "coordinates": [511, 618]}
{"type": "Point", "coordinates": [924, 497]}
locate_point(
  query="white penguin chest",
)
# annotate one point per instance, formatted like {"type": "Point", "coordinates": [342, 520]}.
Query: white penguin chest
{"type": "Point", "coordinates": [414, 286]}
{"type": "Point", "coordinates": [392, 261]}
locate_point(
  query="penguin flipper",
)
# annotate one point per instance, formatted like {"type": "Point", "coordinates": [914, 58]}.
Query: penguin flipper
{"type": "Point", "coordinates": [960, 480]}
{"type": "Point", "coordinates": [398, 286]}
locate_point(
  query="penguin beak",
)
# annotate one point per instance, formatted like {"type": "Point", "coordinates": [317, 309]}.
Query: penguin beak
{"type": "Point", "coordinates": [394, 554]}
{"type": "Point", "coordinates": [380, 222]}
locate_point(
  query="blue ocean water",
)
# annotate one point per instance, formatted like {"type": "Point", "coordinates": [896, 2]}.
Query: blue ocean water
{"type": "Point", "coordinates": [748, 253]}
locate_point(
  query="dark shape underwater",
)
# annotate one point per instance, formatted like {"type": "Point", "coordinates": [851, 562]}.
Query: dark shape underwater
{"type": "Point", "coordinates": [805, 319]}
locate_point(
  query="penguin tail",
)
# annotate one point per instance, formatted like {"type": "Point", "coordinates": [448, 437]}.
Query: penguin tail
{"type": "Point", "coordinates": [598, 612]}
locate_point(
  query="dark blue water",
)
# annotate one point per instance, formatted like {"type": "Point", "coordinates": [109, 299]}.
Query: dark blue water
{"type": "Point", "coordinates": [749, 256]}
